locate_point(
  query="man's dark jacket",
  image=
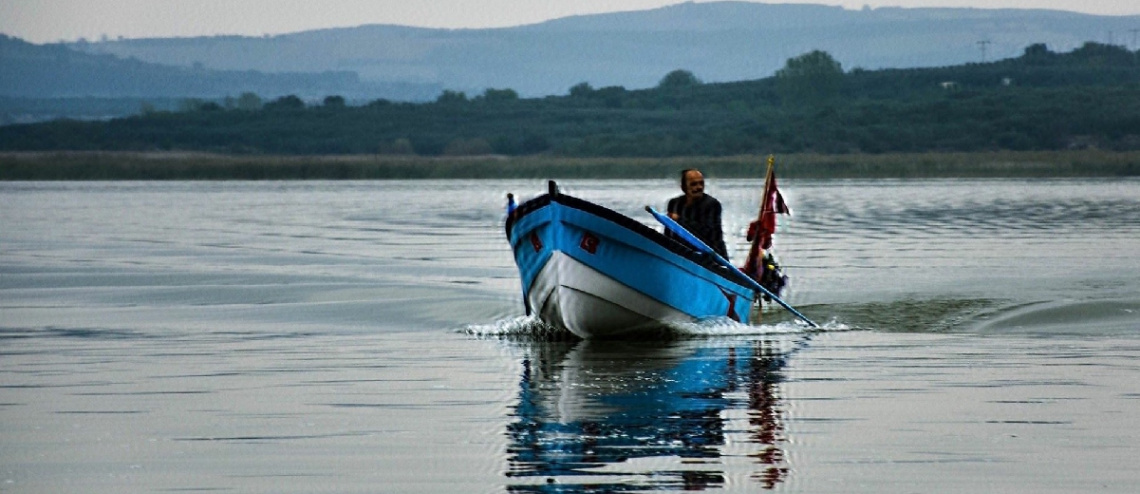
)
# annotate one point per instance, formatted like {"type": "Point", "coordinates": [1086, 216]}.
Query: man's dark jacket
{"type": "Point", "coordinates": [702, 219]}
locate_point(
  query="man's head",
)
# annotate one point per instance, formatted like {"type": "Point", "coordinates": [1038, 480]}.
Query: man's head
{"type": "Point", "coordinates": [693, 183]}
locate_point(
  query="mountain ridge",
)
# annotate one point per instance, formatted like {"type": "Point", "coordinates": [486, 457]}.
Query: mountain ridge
{"type": "Point", "coordinates": [717, 41]}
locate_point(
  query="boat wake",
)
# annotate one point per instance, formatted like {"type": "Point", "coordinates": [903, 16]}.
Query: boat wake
{"type": "Point", "coordinates": [528, 327]}
{"type": "Point", "coordinates": [531, 328]}
{"type": "Point", "coordinates": [728, 327]}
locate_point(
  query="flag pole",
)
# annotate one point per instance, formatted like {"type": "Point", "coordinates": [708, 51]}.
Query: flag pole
{"type": "Point", "coordinates": [767, 191]}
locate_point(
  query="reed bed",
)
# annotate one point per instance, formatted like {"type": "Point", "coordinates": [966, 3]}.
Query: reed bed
{"type": "Point", "coordinates": [202, 166]}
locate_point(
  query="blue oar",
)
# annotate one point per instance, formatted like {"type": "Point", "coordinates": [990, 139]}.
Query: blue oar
{"type": "Point", "coordinates": [674, 227]}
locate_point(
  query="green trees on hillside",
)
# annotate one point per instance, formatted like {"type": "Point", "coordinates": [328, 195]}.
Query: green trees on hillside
{"type": "Point", "coordinates": [451, 97]}
{"type": "Point", "coordinates": [1039, 101]}
{"type": "Point", "coordinates": [678, 79]}
{"type": "Point", "coordinates": [498, 95]}
{"type": "Point", "coordinates": [811, 77]}
{"type": "Point", "coordinates": [285, 103]}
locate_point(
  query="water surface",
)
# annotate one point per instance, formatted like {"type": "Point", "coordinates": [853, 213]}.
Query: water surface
{"type": "Point", "coordinates": [369, 337]}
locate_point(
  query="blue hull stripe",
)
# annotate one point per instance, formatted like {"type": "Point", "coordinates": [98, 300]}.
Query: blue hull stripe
{"type": "Point", "coordinates": [626, 251]}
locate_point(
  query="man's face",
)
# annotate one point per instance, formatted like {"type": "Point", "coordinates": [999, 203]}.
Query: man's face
{"type": "Point", "coordinates": [694, 185]}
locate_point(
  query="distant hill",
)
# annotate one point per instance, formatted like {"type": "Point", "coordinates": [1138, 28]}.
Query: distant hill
{"type": "Point", "coordinates": [40, 82]}
{"type": "Point", "coordinates": [45, 71]}
{"type": "Point", "coordinates": [718, 42]}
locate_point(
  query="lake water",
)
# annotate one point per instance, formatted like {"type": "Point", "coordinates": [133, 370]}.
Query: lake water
{"type": "Point", "coordinates": [978, 336]}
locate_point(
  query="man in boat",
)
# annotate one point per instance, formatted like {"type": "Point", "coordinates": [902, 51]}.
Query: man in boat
{"type": "Point", "coordinates": [698, 212]}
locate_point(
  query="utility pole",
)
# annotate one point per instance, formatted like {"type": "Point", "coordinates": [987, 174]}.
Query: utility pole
{"type": "Point", "coordinates": [983, 44]}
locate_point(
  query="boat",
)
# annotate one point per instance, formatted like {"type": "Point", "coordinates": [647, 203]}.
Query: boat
{"type": "Point", "coordinates": [597, 273]}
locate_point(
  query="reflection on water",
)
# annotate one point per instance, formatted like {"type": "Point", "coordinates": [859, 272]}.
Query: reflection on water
{"type": "Point", "coordinates": [630, 416]}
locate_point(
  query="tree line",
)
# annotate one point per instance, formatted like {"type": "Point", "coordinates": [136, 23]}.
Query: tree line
{"type": "Point", "coordinates": [1041, 100]}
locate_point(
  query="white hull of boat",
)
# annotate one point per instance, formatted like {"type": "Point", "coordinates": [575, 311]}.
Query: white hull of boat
{"type": "Point", "coordinates": [573, 296]}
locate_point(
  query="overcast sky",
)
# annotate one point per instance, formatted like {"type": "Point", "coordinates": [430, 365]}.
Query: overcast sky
{"type": "Point", "coordinates": [42, 21]}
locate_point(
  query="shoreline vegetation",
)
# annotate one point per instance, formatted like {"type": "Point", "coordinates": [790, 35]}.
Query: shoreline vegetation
{"type": "Point", "coordinates": [97, 165]}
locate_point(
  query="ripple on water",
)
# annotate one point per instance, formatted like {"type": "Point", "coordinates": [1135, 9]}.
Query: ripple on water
{"type": "Point", "coordinates": [1066, 317]}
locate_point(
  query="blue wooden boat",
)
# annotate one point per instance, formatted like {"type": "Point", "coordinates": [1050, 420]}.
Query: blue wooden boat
{"type": "Point", "coordinates": [597, 273]}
